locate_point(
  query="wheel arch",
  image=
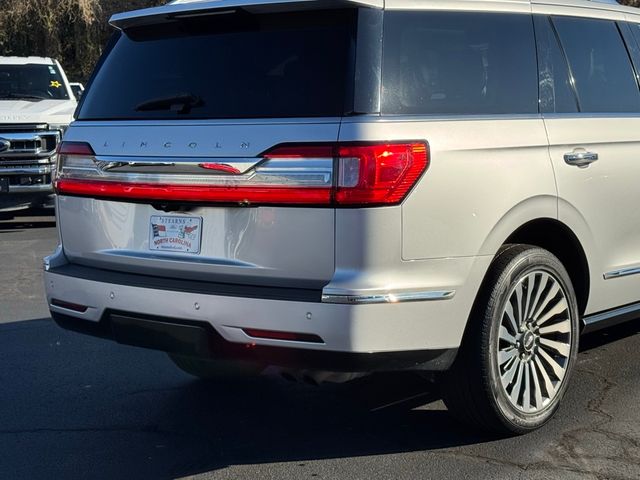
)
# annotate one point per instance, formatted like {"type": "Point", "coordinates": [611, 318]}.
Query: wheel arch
{"type": "Point", "coordinates": [561, 241]}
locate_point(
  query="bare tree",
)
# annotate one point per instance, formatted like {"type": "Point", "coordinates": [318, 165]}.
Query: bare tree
{"type": "Point", "coordinates": [73, 31]}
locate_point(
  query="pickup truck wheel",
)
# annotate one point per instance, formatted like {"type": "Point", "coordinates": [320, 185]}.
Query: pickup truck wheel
{"type": "Point", "coordinates": [215, 369]}
{"type": "Point", "coordinates": [520, 347]}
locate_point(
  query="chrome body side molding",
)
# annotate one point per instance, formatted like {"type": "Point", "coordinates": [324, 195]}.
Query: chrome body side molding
{"type": "Point", "coordinates": [624, 272]}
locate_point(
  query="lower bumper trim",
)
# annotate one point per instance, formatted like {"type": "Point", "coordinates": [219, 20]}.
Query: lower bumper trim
{"type": "Point", "coordinates": [201, 340]}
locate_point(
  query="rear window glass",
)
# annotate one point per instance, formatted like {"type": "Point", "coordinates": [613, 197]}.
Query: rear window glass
{"type": "Point", "coordinates": [32, 82]}
{"type": "Point", "coordinates": [235, 65]}
{"type": "Point", "coordinates": [600, 65]}
{"type": "Point", "coordinates": [459, 63]}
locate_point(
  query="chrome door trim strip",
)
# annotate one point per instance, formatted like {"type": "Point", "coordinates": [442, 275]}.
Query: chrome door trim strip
{"type": "Point", "coordinates": [623, 272]}
{"type": "Point", "coordinates": [389, 297]}
{"type": "Point", "coordinates": [610, 318]}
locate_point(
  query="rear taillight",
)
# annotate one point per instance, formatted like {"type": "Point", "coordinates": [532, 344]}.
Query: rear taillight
{"type": "Point", "coordinates": [320, 175]}
{"type": "Point", "coordinates": [379, 174]}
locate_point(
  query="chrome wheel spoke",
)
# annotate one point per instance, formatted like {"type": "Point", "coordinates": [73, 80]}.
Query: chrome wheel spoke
{"type": "Point", "coordinates": [553, 292]}
{"type": "Point", "coordinates": [506, 355]}
{"type": "Point", "coordinates": [536, 386]}
{"type": "Point", "coordinates": [558, 371]}
{"type": "Point", "coordinates": [519, 306]}
{"type": "Point", "coordinates": [534, 341]}
{"type": "Point", "coordinates": [548, 384]}
{"type": "Point", "coordinates": [515, 392]}
{"type": "Point", "coordinates": [526, 394]}
{"type": "Point", "coordinates": [562, 348]}
{"type": "Point", "coordinates": [557, 309]}
{"type": "Point", "coordinates": [560, 327]}
{"type": "Point", "coordinates": [510, 372]}
{"type": "Point", "coordinates": [508, 312]}
{"type": "Point", "coordinates": [506, 336]}
{"type": "Point", "coordinates": [530, 280]}
{"type": "Point", "coordinates": [544, 278]}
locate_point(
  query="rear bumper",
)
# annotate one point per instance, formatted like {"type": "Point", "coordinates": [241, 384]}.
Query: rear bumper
{"type": "Point", "coordinates": [200, 339]}
{"type": "Point", "coordinates": [206, 319]}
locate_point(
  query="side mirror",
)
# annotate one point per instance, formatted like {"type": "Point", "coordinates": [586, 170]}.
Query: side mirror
{"type": "Point", "coordinates": [77, 89]}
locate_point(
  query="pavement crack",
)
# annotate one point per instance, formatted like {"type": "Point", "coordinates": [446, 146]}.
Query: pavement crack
{"type": "Point", "coordinates": [524, 467]}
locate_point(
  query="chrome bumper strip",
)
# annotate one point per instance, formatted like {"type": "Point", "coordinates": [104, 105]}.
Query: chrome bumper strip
{"type": "Point", "coordinates": [381, 298]}
{"type": "Point", "coordinates": [41, 188]}
{"type": "Point", "coordinates": [35, 170]}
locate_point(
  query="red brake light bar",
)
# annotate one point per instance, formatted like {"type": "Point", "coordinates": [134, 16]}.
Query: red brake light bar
{"type": "Point", "coordinates": [193, 193]}
{"type": "Point", "coordinates": [361, 175]}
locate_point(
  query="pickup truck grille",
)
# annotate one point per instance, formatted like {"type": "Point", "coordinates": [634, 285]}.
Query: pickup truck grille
{"type": "Point", "coordinates": [27, 147]}
{"type": "Point", "coordinates": [27, 156]}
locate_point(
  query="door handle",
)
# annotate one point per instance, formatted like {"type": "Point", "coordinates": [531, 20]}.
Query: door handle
{"type": "Point", "coordinates": [580, 159]}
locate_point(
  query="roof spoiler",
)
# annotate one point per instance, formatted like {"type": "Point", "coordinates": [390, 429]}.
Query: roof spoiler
{"type": "Point", "coordinates": [183, 8]}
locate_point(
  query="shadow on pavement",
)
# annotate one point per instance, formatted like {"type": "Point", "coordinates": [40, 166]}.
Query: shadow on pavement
{"type": "Point", "coordinates": [27, 219]}
{"type": "Point", "coordinates": [76, 407]}
{"type": "Point", "coordinates": [13, 226]}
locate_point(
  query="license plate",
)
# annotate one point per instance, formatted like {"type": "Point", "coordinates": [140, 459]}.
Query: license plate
{"type": "Point", "coordinates": [4, 185]}
{"type": "Point", "coordinates": [175, 234]}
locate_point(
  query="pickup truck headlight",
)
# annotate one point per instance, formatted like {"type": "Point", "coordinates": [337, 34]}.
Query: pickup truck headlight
{"type": "Point", "coordinates": [62, 128]}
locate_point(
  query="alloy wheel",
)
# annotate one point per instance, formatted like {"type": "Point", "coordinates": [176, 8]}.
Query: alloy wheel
{"type": "Point", "coordinates": [534, 342]}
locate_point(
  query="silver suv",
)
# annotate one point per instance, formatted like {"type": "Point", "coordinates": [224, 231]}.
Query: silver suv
{"type": "Point", "coordinates": [447, 187]}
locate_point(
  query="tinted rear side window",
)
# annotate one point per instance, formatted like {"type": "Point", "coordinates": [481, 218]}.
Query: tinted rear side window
{"type": "Point", "coordinates": [556, 92]}
{"type": "Point", "coordinates": [600, 65]}
{"type": "Point", "coordinates": [631, 34]}
{"type": "Point", "coordinates": [227, 66]}
{"type": "Point", "coordinates": [459, 63]}
{"type": "Point", "coordinates": [636, 31]}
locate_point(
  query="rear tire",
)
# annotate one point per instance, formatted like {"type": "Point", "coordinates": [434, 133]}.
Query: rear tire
{"type": "Point", "coordinates": [215, 369]}
{"type": "Point", "coordinates": [520, 346]}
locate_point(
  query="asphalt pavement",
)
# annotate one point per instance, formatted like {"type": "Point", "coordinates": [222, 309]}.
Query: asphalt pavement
{"type": "Point", "coordinates": [77, 407]}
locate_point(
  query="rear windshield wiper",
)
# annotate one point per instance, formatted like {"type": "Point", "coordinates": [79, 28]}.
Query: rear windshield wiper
{"type": "Point", "coordinates": [181, 103]}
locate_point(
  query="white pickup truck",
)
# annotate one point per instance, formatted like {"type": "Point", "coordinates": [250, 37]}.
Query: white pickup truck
{"type": "Point", "coordinates": [36, 106]}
